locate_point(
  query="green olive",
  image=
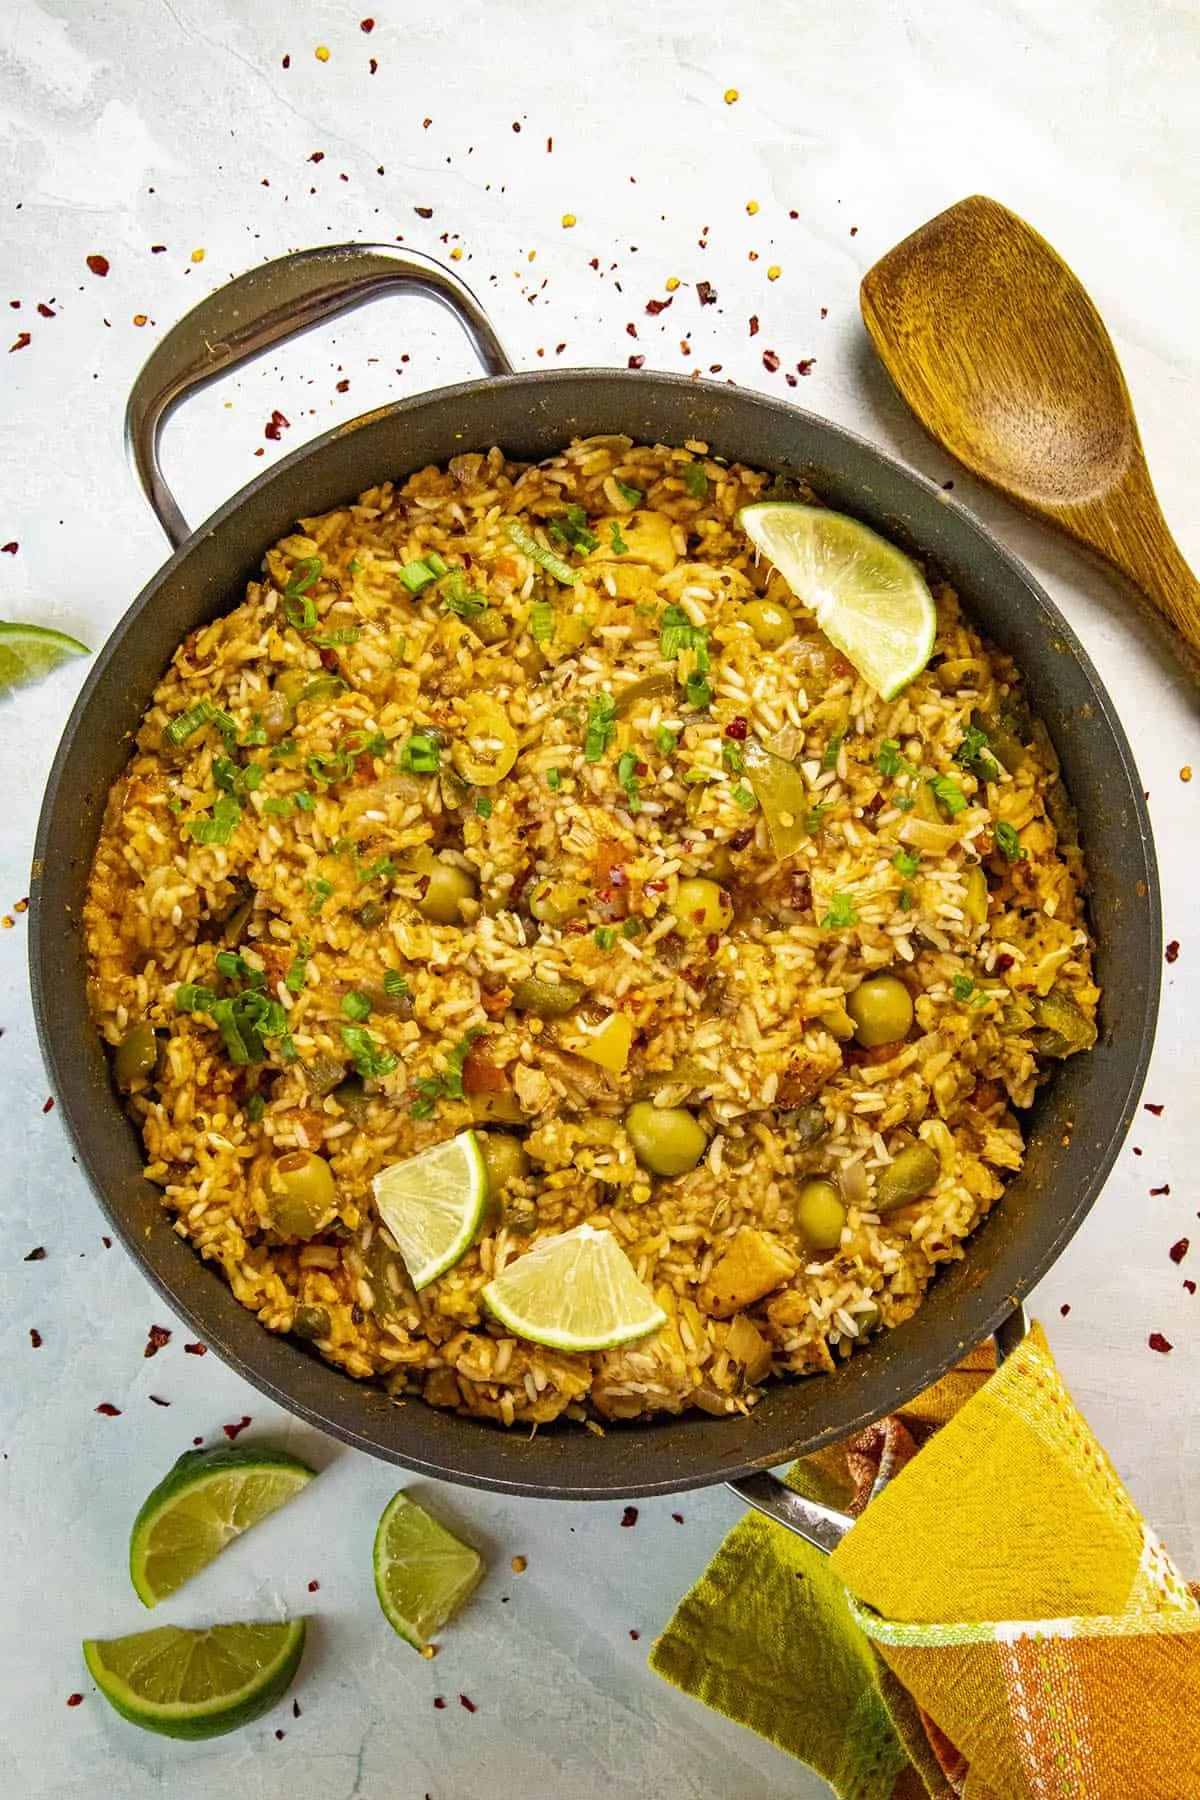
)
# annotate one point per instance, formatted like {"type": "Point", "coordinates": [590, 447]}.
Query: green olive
{"type": "Point", "coordinates": [302, 1196]}
{"type": "Point", "coordinates": [323, 1073]}
{"type": "Point", "coordinates": [136, 1058]}
{"type": "Point", "coordinates": [519, 1214]}
{"type": "Point", "coordinates": [701, 907]}
{"type": "Point", "coordinates": [446, 887]}
{"type": "Point", "coordinates": [976, 903]}
{"type": "Point", "coordinates": [1065, 1029]}
{"type": "Point", "coordinates": [547, 999]}
{"type": "Point", "coordinates": [771, 625]}
{"type": "Point", "coordinates": [278, 715]}
{"type": "Point", "coordinates": [667, 1140]}
{"type": "Point", "coordinates": [289, 685]}
{"type": "Point", "coordinates": [882, 1010]}
{"type": "Point", "coordinates": [820, 1214]}
{"type": "Point", "coordinates": [911, 1173]}
{"type": "Point", "coordinates": [558, 902]}
{"type": "Point", "coordinates": [810, 1125]}
{"type": "Point", "coordinates": [311, 1322]}
{"type": "Point", "coordinates": [372, 914]}
{"type": "Point", "coordinates": [505, 1158]}
{"type": "Point", "coordinates": [489, 626]}
{"type": "Point", "coordinates": [350, 1094]}
{"type": "Point", "coordinates": [868, 1319]}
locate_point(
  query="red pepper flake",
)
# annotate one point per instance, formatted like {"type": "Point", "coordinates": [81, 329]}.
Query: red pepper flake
{"type": "Point", "coordinates": [198, 1440]}
{"type": "Point", "coordinates": [1158, 1342]}
{"type": "Point", "coordinates": [1190, 1286]}
{"type": "Point", "coordinates": [1149, 1106]}
{"type": "Point", "coordinates": [47, 312]}
{"type": "Point", "coordinates": [195, 1349]}
{"type": "Point", "coordinates": [629, 1516]}
{"type": "Point", "coordinates": [367, 25]}
{"type": "Point", "coordinates": [1065, 1308]}
{"type": "Point", "coordinates": [770, 361]}
{"type": "Point", "coordinates": [1164, 1189]}
{"type": "Point", "coordinates": [468, 1705]}
{"type": "Point", "coordinates": [275, 426]}
{"type": "Point", "coordinates": [108, 1410]}
{"type": "Point", "coordinates": [158, 1402]}
{"type": "Point", "coordinates": [516, 125]}
{"type": "Point", "coordinates": [99, 265]}
{"type": "Point", "coordinates": [107, 1242]}
{"type": "Point", "coordinates": [824, 312]}
{"type": "Point", "coordinates": [38, 1255]}
{"type": "Point", "coordinates": [313, 1586]}
{"type": "Point", "coordinates": [854, 231]}
{"type": "Point", "coordinates": [49, 1104]}
{"type": "Point", "coordinates": [740, 839]}
{"type": "Point", "coordinates": [23, 341]}
{"type": "Point", "coordinates": [440, 1702]}
{"type": "Point", "coordinates": [280, 1733]}
{"type": "Point", "coordinates": [706, 293]}
{"type": "Point", "coordinates": [343, 386]}
{"type": "Point", "coordinates": [74, 1699]}
{"type": "Point", "coordinates": [637, 362]}
{"type": "Point", "coordinates": [317, 156]}
{"type": "Point", "coordinates": [423, 212]}
{"type": "Point", "coordinates": [635, 1635]}
{"type": "Point", "coordinates": [158, 249]}
{"type": "Point", "coordinates": [753, 324]}
{"type": "Point", "coordinates": [35, 1336]}
{"type": "Point", "coordinates": [295, 1709]}
{"type": "Point", "coordinates": [804, 367]}
{"type": "Point", "coordinates": [678, 1518]}
{"type": "Point", "coordinates": [631, 329]}
{"type": "Point", "coordinates": [159, 1337]}
{"type": "Point", "coordinates": [1004, 962]}
{"type": "Point", "coordinates": [234, 1431]}
{"type": "Point", "coordinates": [287, 62]}
{"type": "Point", "coordinates": [654, 307]}
{"type": "Point", "coordinates": [10, 549]}
{"type": "Point", "coordinates": [1178, 1251]}
{"type": "Point", "coordinates": [737, 729]}
{"type": "Point", "coordinates": [1172, 950]}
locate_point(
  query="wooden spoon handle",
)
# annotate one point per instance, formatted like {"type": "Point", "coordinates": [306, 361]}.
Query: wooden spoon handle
{"type": "Point", "coordinates": [1128, 529]}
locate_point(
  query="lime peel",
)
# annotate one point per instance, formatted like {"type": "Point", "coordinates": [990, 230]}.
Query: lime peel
{"type": "Point", "coordinates": [871, 601]}
{"type": "Point", "coordinates": [196, 1684]}
{"type": "Point", "coordinates": [433, 1203]}
{"type": "Point", "coordinates": [423, 1573]}
{"type": "Point", "coordinates": [576, 1291]}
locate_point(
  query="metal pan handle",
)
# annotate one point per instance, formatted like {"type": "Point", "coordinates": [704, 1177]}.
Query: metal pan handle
{"type": "Point", "coordinates": [278, 301]}
{"type": "Point", "coordinates": [823, 1526]}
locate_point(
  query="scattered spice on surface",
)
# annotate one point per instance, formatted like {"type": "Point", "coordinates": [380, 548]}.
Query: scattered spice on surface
{"type": "Point", "coordinates": [1158, 1342]}
{"type": "Point", "coordinates": [140, 319]}
{"type": "Point", "coordinates": [635, 1635]}
{"type": "Point", "coordinates": [423, 212]}
{"type": "Point", "coordinates": [158, 249]}
{"type": "Point", "coordinates": [731, 94]}
{"type": "Point", "coordinates": [158, 1338]}
{"type": "Point", "coordinates": [774, 272]}
{"type": "Point", "coordinates": [805, 368]}
{"type": "Point", "coordinates": [636, 362]}
{"type": "Point", "coordinates": [275, 426]}
{"type": "Point", "coordinates": [108, 1410]}
{"type": "Point", "coordinates": [197, 256]}
{"type": "Point", "coordinates": [671, 284]}
{"type": "Point", "coordinates": [99, 265]}
{"type": "Point", "coordinates": [1190, 1286]}
{"type": "Point", "coordinates": [196, 1349]}
{"type": "Point", "coordinates": [753, 324]}
{"type": "Point", "coordinates": [429, 1651]}
{"type": "Point", "coordinates": [343, 386]}
{"type": "Point", "coordinates": [107, 1242]}
{"type": "Point", "coordinates": [1150, 1107]}
{"type": "Point", "coordinates": [198, 1440]}
{"type": "Point", "coordinates": [1185, 774]}
{"type": "Point", "coordinates": [322, 53]}
{"type": "Point", "coordinates": [466, 1704]}
{"type": "Point", "coordinates": [317, 156]}
{"type": "Point", "coordinates": [158, 1401]}
{"type": "Point", "coordinates": [234, 1431]}
{"type": "Point", "coordinates": [1164, 1189]}
{"type": "Point", "coordinates": [280, 1733]}
{"type": "Point", "coordinates": [10, 549]}
{"type": "Point", "coordinates": [37, 1255]}
{"type": "Point", "coordinates": [1065, 1308]}
{"type": "Point", "coordinates": [1178, 1251]}
{"type": "Point", "coordinates": [367, 25]}
{"type": "Point", "coordinates": [295, 1709]}
{"type": "Point", "coordinates": [706, 293]}
{"type": "Point", "coordinates": [74, 1699]}
{"type": "Point", "coordinates": [770, 361]}
{"type": "Point", "coordinates": [1172, 951]}
{"type": "Point", "coordinates": [654, 307]}
{"type": "Point", "coordinates": [35, 1336]}
{"type": "Point", "coordinates": [678, 1518]}
{"type": "Point", "coordinates": [568, 220]}
{"type": "Point", "coordinates": [372, 65]}
{"type": "Point", "coordinates": [287, 62]}
{"type": "Point", "coordinates": [312, 1586]}
{"type": "Point", "coordinates": [629, 1516]}
{"type": "Point", "coordinates": [48, 1104]}
{"type": "Point", "coordinates": [519, 1565]}
{"type": "Point", "coordinates": [22, 343]}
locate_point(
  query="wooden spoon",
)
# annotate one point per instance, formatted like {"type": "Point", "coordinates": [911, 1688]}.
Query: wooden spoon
{"type": "Point", "coordinates": [994, 344]}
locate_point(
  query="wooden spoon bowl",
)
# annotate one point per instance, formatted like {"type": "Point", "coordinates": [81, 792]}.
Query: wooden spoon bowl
{"type": "Point", "coordinates": [997, 348]}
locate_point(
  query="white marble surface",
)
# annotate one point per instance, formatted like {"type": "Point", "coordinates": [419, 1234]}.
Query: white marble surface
{"type": "Point", "coordinates": [129, 123]}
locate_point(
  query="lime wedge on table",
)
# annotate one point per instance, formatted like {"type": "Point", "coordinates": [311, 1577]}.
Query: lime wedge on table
{"type": "Point", "coordinates": [209, 1498]}
{"type": "Point", "coordinates": [423, 1573]}
{"type": "Point", "coordinates": [871, 600]}
{"type": "Point", "coordinates": [196, 1684]}
{"type": "Point", "coordinates": [27, 652]}
{"type": "Point", "coordinates": [432, 1205]}
{"type": "Point", "coordinates": [575, 1291]}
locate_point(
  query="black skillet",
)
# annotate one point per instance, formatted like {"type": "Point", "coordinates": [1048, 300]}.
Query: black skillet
{"type": "Point", "coordinates": [1077, 1125]}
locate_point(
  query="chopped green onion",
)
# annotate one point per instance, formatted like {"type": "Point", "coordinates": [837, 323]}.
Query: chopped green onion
{"type": "Point", "coordinates": [293, 981]}
{"type": "Point", "coordinates": [676, 633]}
{"type": "Point", "coordinates": [695, 480]}
{"type": "Point", "coordinates": [422, 1109]}
{"type": "Point", "coordinates": [356, 1006]}
{"type": "Point", "coordinates": [353, 566]}
{"type": "Point", "coordinates": [305, 801]}
{"type": "Point", "coordinates": [665, 740]}
{"type": "Point", "coordinates": [219, 829]}
{"type": "Point", "coordinates": [1007, 842]}
{"type": "Point", "coordinates": [553, 565]}
{"type": "Point", "coordinates": [962, 987]}
{"type": "Point", "coordinates": [904, 802]}
{"type": "Point", "coordinates": [437, 563]}
{"type": "Point", "coordinates": [890, 761]}
{"type": "Point", "coordinates": [394, 984]}
{"type": "Point", "coordinates": [732, 757]}
{"type": "Point", "coordinates": [541, 622]}
{"type": "Point", "coordinates": [369, 1061]}
{"type": "Point", "coordinates": [627, 764]}
{"type": "Point", "coordinates": [631, 495]}
{"type": "Point", "coordinates": [321, 687]}
{"type": "Point", "coordinates": [814, 818]}
{"type": "Point", "coordinates": [300, 610]}
{"type": "Point", "coordinates": [949, 794]}
{"type": "Point", "coordinates": [830, 758]}
{"type": "Point", "coordinates": [601, 726]}
{"type": "Point", "coordinates": [231, 965]}
{"type": "Point", "coordinates": [459, 599]}
{"type": "Point", "coordinates": [328, 768]}
{"type": "Point", "coordinates": [632, 928]}
{"type": "Point", "coordinates": [572, 528]}
{"type": "Point", "coordinates": [483, 806]}
{"type": "Point", "coordinates": [841, 913]}
{"type": "Point", "coordinates": [420, 755]}
{"type": "Point", "coordinates": [320, 890]}
{"type": "Point", "coordinates": [256, 736]}
{"type": "Point", "coordinates": [605, 936]}
{"type": "Point", "coordinates": [306, 571]}
{"type": "Point", "coordinates": [973, 754]}
{"type": "Point", "coordinates": [744, 797]}
{"type": "Point", "coordinates": [619, 546]}
{"type": "Point", "coordinates": [278, 806]}
{"type": "Point", "coordinates": [697, 691]}
{"type": "Point", "coordinates": [184, 724]}
{"type": "Point", "coordinates": [905, 899]}
{"type": "Point", "coordinates": [365, 743]}
{"type": "Point", "coordinates": [554, 779]}
{"type": "Point", "coordinates": [417, 576]}
{"type": "Point", "coordinates": [191, 997]}
{"type": "Point", "coordinates": [349, 634]}
{"type": "Point", "coordinates": [907, 862]}
{"type": "Point", "coordinates": [256, 1106]}
{"type": "Point", "coordinates": [382, 869]}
